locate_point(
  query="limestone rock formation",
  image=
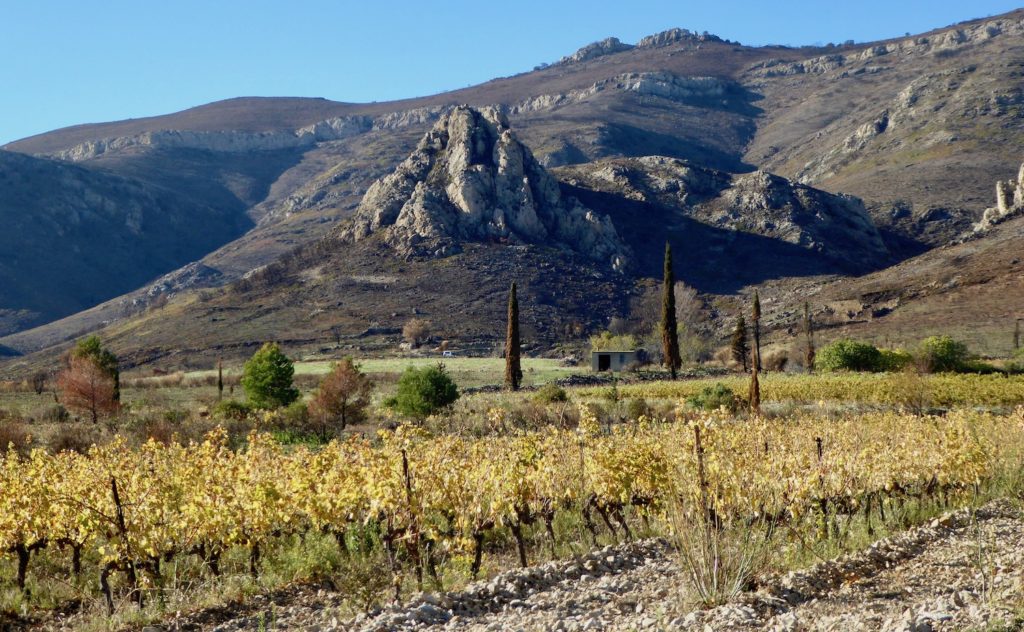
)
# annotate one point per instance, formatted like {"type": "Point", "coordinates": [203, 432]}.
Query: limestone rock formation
{"type": "Point", "coordinates": [835, 226]}
{"type": "Point", "coordinates": [673, 36]}
{"type": "Point", "coordinates": [606, 46]}
{"type": "Point", "coordinates": [1009, 202]}
{"type": "Point", "coordinates": [470, 179]}
{"type": "Point", "coordinates": [656, 84]}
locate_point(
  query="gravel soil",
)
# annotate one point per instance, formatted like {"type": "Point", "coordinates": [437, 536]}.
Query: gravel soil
{"type": "Point", "coordinates": [960, 572]}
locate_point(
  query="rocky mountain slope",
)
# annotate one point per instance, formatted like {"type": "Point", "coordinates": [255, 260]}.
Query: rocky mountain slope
{"type": "Point", "coordinates": [720, 218]}
{"type": "Point", "coordinates": [470, 210]}
{"type": "Point", "coordinates": [470, 179]}
{"type": "Point", "coordinates": [74, 236]}
{"type": "Point", "coordinates": [917, 128]}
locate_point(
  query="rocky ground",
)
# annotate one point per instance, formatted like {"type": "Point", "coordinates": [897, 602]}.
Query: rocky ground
{"type": "Point", "coordinates": [961, 572]}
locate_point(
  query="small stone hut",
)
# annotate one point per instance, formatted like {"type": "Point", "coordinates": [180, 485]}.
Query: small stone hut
{"type": "Point", "coordinates": [612, 360]}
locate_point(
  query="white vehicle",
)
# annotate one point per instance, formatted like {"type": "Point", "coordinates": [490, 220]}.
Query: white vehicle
{"type": "Point", "coordinates": [447, 354]}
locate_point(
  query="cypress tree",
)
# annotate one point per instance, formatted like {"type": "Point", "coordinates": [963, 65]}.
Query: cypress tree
{"type": "Point", "coordinates": [756, 364]}
{"type": "Point", "coordinates": [669, 327]}
{"type": "Point", "coordinates": [513, 370]}
{"type": "Point", "coordinates": [220, 378]}
{"type": "Point", "coordinates": [755, 393]}
{"type": "Point", "coordinates": [755, 384]}
{"type": "Point", "coordinates": [809, 331]}
{"type": "Point", "coordinates": [740, 348]}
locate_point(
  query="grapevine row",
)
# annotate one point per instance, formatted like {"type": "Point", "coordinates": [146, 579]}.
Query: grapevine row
{"type": "Point", "coordinates": [135, 509]}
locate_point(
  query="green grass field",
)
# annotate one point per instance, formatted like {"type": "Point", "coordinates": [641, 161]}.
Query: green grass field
{"type": "Point", "coordinates": [194, 390]}
{"type": "Point", "coordinates": [467, 372]}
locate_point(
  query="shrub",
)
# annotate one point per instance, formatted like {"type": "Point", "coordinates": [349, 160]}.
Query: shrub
{"type": "Point", "coordinates": [607, 341]}
{"type": "Point", "coordinates": [232, 409]}
{"type": "Point", "coordinates": [551, 394]}
{"type": "Point", "coordinates": [637, 408]}
{"type": "Point", "coordinates": [295, 415]}
{"type": "Point", "coordinates": [15, 434]}
{"type": "Point", "coordinates": [1016, 365]}
{"type": "Point", "coordinates": [942, 354]}
{"type": "Point", "coordinates": [55, 414]}
{"type": "Point", "coordinates": [981, 368]}
{"type": "Point", "coordinates": [894, 360]}
{"type": "Point", "coordinates": [267, 378]}
{"type": "Point", "coordinates": [848, 355]}
{"type": "Point", "coordinates": [422, 392]}
{"type": "Point", "coordinates": [72, 439]}
{"type": "Point", "coordinates": [775, 360]}
{"type": "Point", "coordinates": [714, 398]}
{"type": "Point", "coordinates": [416, 331]}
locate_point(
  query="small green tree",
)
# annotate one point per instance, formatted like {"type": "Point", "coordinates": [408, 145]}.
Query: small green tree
{"type": "Point", "coordinates": [943, 354]}
{"type": "Point", "coordinates": [669, 325]}
{"type": "Point", "coordinates": [422, 392]}
{"type": "Point", "coordinates": [513, 368]}
{"type": "Point", "coordinates": [738, 345]}
{"type": "Point", "coordinates": [267, 378]}
{"type": "Point", "coordinates": [92, 349]}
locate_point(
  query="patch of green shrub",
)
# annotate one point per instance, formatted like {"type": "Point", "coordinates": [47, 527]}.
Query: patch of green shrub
{"type": "Point", "coordinates": [982, 368]}
{"type": "Point", "coordinates": [422, 392]}
{"type": "Point", "coordinates": [607, 341]}
{"type": "Point", "coordinates": [231, 409]}
{"type": "Point", "coordinates": [713, 398]}
{"type": "Point", "coordinates": [637, 408]}
{"type": "Point", "coordinates": [296, 415]}
{"type": "Point", "coordinates": [943, 354]}
{"type": "Point", "coordinates": [551, 394]}
{"type": "Point", "coordinates": [848, 355]}
{"type": "Point", "coordinates": [894, 360]}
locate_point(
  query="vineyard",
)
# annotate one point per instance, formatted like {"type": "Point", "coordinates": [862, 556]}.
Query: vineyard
{"type": "Point", "coordinates": [942, 389]}
{"type": "Point", "coordinates": [433, 506]}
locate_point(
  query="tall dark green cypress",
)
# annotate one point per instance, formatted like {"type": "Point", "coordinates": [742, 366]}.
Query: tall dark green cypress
{"type": "Point", "coordinates": [755, 383]}
{"type": "Point", "coordinates": [513, 368]}
{"type": "Point", "coordinates": [220, 379]}
{"type": "Point", "coordinates": [757, 332]}
{"type": "Point", "coordinates": [809, 332]}
{"type": "Point", "coordinates": [740, 347]}
{"type": "Point", "coordinates": [669, 327]}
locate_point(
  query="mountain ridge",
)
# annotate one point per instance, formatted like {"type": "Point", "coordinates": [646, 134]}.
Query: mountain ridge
{"type": "Point", "coordinates": [917, 127]}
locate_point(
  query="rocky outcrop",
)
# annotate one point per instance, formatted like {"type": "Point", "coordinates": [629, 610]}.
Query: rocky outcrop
{"type": "Point", "coordinates": [1009, 203]}
{"type": "Point", "coordinates": [660, 84]}
{"type": "Point", "coordinates": [814, 66]}
{"type": "Point", "coordinates": [606, 46]}
{"type": "Point", "coordinates": [674, 36]}
{"type": "Point", "coordinates": [836, 226]}
{"type": "Point", "coordinates": [769, 205]}
{"type": "Point", "coordinates": [940, 44]}
{"type": "Point", "coordinates": [826, 165]}
{"type": "Point", "coordinates": [611, 45]}
{"type": "Point", "coordinates": [470, 179]}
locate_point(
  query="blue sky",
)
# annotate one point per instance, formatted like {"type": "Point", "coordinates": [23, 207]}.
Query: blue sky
{"type": "Point", "coordinates": [80, 61]}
